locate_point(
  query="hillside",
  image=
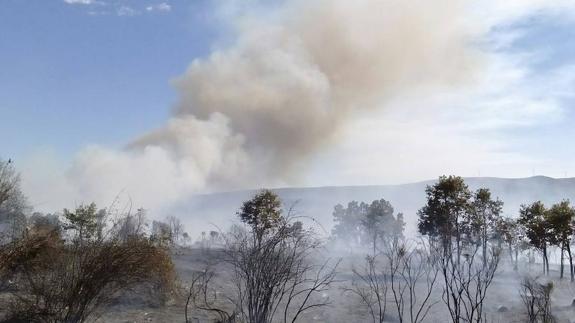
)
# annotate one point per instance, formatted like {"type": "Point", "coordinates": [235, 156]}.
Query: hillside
{"type": "Point", "coordinates": [201, 212]}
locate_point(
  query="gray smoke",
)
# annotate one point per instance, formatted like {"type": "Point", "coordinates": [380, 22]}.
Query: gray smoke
{"type": "Point", "coordinates": [252, 113]}
{"type": "Point", "coordinates": [286, 87]}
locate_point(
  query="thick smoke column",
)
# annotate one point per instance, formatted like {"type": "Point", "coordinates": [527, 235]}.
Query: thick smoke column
{"type": "Point", "coordinates": [252, 113]}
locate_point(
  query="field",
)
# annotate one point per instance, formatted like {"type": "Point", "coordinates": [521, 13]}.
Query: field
{"type": "Point", "coordinates": [503, 302]}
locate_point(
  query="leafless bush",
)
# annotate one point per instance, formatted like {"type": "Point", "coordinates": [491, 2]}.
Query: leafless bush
{"type": "Point", "coordinates": [130, 226]}
{"type": "Point", "coordinates": [398, 271]}
{"type": "Point", "coordinates": [537, 300]}
{"type": "Point", "coordinates": [408, 267]}
{"type": "Point", "coordinates": [466, 282]}
{"type": "Point", "coordinates": [371, 287]}
{"type": "Point", "coordinates": [204, 297]}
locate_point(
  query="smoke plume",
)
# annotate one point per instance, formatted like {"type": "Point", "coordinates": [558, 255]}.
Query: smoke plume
{"type": "Point", "coordinates": [252, 113]}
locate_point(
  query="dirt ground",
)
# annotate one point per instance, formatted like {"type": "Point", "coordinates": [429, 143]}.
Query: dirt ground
{"type": "Point", "coordinates": [503, 303]}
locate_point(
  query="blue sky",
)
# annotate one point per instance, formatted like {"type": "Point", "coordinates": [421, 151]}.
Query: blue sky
{"type": "Point", "coordinates": [81, 79]}
{"type": "Point", "coordinates": [70, 77]}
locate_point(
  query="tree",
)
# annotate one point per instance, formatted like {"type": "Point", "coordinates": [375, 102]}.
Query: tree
{"type": "Point", "coordinates": [466, 282]}
{"type": "Point", "coordinates": [408, 268]}
{"type": "Point", "coordinates": [13, 204]}
{"type": "Point", "coordinates": [371, 287]}
{"type": "Point", "coordinates": [560, 220]}
{"type": "Point", "coordinates": [507, 231]}
{"type": "Point", "coordinates": [13, 216]}
{"type": "Point", "coordinates": [273, 274]}
{"type": "Point", "coordinates": [176, 228]}
{"type": "Point", "coordinates": [441, 218]}
{"type": "Point", "coordinates": [532, 218]}
{"type": "Point", "coordinates": [347, 220]}
{"type": "Point", "coordinates": [84, 220]}
{"type": "Point", "coordinates": [262, 213]}
{"type": "Point", "coordinates": [378, 222]}
{"type": "Point", "coordinates": [536, 298]}
{"type": "Point", "coordinates": [162, 233]}
{"type": "Point", "coordinates": [367, 224]}
{"type": "Point", "coordinates": [482, 219]}
{"type": "Point", "coordinates": [131, 225]}
{"type": "Point", "coordinates": [9, 180]}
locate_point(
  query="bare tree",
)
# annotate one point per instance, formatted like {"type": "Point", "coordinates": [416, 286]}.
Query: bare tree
{"type": "Point", "coordinates": [9, 180]}
{"type": "Point", "coordinates": [176, 228]}
{"type": "Point", "coordinates": [271, 263]}
{"type": "Point", "coordinates": [371, 287]}
{"type": "Point", "coordinates": [162, 234]}
{"type": "Point", "coordinates": [274, 276]}
{"type": "Point", "coordinates": [13, 204]}
{"type": "Point", "coordinates": [537, 300]}
{"type": "Point", "coordinates": [408, 267]}
{"type": "Point", "coordinates": [130, 225]}
{"type": "Point", "coordinates": [466, 283]}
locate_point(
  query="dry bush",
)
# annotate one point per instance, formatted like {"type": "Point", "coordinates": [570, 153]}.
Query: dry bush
{"type": "Point", "coordinates": [537, 300]}
{"type": "Point", "coordinates": [13, 255]}
{"type": "Point", "coordinates": [409, 267]}
{"type": "Point", "coordinates": [203, 296]}
{"type": "Point", "coordinates": [71, 282]}
{"type": "Point", "coordinates": [404, 275]}
{"type": "Point", "coordinates": [371, 287]}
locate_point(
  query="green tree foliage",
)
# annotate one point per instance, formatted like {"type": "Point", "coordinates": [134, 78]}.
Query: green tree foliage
{"type": "Point", "coordinates": [379, 222]}
{"type": "Point", "coordinates": [262, 213]}
{"type": "Point", "coordinates": [362, 223]}
{"type": "Point", "coordinates": [482, 218]}
{"type": "Point", "coordinates": [560, 221]}
{"type": "Point", "coordinates": [532, 218]}
{"type": "Point", "coordinates": [448, 202]}
{"type": "Point", "coordinates": [347, 220]}
{"type": "Point", "coordinates": [84, 220]}
{"type": "Point", "coordinates": [273, 272]}
{"type": "Point", "coordinates": [508, 231]}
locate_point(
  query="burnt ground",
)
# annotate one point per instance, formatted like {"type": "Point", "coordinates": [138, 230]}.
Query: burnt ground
{"type": "Point", "coordinates": [503, 303]}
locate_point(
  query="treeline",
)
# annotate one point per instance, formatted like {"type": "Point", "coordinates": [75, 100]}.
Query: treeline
{"type": "Point", "coordinates": [456, 216]}
{"type": "Point", "coordinates": [462, 236]}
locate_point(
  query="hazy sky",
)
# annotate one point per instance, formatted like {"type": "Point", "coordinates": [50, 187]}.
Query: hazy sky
{"type": "Point", "coordinates": [81, 79]}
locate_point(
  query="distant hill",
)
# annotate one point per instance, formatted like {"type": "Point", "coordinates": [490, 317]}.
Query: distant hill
{"type": "Point", "coordinates": [201, 211]}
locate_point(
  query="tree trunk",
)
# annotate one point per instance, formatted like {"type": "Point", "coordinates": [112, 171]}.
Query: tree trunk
{"type": "Point", "coordinates": [545, 262]}
{"type": "Point", "coordinates": [484, 252]}
{"type": "Point", "coordinates": [561, 270]}
{"type": "Point", "coordinates": [484, 242]}
{"type": "Point", "coordinates": [511, 254]}
{"type": "Point", "coordinates": [570, 261]}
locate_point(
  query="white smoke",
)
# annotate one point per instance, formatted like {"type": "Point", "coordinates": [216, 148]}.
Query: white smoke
{"type": "Point", "coordinates": [252, 113]}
